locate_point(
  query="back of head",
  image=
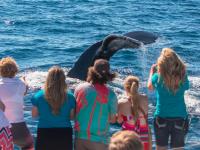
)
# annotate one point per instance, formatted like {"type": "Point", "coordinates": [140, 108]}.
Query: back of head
{"type": "Point", "coordinates": [131, 85]}
{"type": "Point", "coordinates": [100, 72]}
{"type": "Point", "coordinates": [125, 140]}
{"type": "Point", "coordinates": [8, 67]}
{"type": "Point", "coordinates": [171, 69]}
{"type": "Point", "coordinates": [55, 88]}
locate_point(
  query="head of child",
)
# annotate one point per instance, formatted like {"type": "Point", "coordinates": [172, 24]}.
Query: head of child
{"type": "Point", "coordinates": [125, 140]}
{"type": "Point", "coordinates": [55, 89]}
{"type": "Point", "coordinates": [171, 68]}
{"type": "Point", "coordinates": [100, 72]}
{"type": "Point", "coordinates": [8, 67]}
{"type": "Point", "coordinates": [131, 85]}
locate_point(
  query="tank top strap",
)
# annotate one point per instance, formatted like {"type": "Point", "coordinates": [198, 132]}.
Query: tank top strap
{"type": "Point", "coordinates": [127, 117]}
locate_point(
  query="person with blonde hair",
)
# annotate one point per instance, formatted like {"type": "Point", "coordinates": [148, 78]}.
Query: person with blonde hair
{"type": "Point", "coordinates": [12, 91]}
{"type": "Point", "coordinates": [6, 139]}
{"type": "Point", "coordinates": [55, 106]}
{"type": "Point", "coordinates": [169, 79]}
{"type": "Point", "coordinates": [96, 107]}
{"type": "Point", "coordinates": [133, 111]}
{"type": "Point", "coordinates": [125, 140]}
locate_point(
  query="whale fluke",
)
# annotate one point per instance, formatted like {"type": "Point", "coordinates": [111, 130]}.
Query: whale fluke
{"type": "Point", "coordinates": [142, 36]}
{"type": "Point", "coordinates": [107, 48]}
{"type": "Point", "coordinates": [112, 43]}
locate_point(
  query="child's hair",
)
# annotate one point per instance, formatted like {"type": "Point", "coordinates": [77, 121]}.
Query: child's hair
{"type": "Point", "coordinates": [8, 67]}
{"type": "Point", "coordinates": [131, 85]}
{"type": "Point", "coordinates": [171, 68]}
{"type": "Point", "coordinates": [125, 140]}
{"type": "Point", "coordinates": [55, 89]}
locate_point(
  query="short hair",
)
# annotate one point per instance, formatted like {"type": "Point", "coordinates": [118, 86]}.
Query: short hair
{"type": "Point", "coordinates": [100, 72]}
{"type": "Point", "coordinates": [125, 140]}
{"type": "Point", "coordinates": [8, 67]}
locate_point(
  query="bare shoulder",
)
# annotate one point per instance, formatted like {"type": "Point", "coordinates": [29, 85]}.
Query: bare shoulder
{"type": "Point", "coordinates": [122, 102]}
{"type": "Point", "coordinates": [144, 97]}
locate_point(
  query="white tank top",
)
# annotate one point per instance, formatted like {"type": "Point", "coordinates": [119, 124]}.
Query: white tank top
{"type": "Point", "coordinates": [3, 121]}
{"type": "Point", "coordinates": [11, 94]}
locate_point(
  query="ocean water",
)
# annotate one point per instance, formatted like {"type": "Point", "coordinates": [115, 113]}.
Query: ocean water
{"type": "Point", "coordinates": [42, 33]}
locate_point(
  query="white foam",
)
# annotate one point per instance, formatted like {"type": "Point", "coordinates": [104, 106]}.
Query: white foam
{"type": "Point", "coordinates": [36, 79]}
{"type": "Point", "coordinates": [192, 96]}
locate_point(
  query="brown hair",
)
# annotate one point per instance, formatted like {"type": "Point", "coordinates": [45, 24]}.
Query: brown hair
{"type": "Point", "coordinates": [100, 72]}
{"type": "Point", "coordinates": [8, 67]}
{"type": "Point", "coordinates": [125, 140]}
{"type": "Point", "coordinates": [131, 85]}
{"type": "Point", "coordinates": [171, 68]}
{"type": "Point", "coordinates": [55, 89]}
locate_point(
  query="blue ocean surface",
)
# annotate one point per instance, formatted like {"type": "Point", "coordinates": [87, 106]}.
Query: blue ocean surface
{"type": "Point", "coordinates": [42, 33]}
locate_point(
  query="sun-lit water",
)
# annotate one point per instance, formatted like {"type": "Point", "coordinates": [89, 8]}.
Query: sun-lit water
{"type": "Point", "coordinates": [42, 33]}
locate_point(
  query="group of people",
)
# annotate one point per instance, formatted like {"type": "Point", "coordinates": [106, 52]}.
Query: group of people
{"type": "Point", "coordinates": [93, 106]}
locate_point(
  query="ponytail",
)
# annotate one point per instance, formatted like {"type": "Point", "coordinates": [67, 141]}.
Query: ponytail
{"type": "Point", "coordinates": [131, 86]}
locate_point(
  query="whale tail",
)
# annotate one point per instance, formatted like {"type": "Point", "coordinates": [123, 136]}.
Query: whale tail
{"type": "Point", "coordinates": [107, 48]}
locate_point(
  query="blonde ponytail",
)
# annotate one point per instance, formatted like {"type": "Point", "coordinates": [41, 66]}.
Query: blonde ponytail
{"type": "Point", "coordinates": [131, 85]}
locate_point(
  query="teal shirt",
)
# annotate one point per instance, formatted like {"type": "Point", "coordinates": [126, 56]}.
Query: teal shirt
{"type": "Point", "coordinates": [46, 118]}
{"type": "Point", "coordinates": [169, 104]}
{"type": "Point", "coordinates": [94, 105]}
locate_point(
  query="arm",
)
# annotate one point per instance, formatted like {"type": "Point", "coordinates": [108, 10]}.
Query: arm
{"type": "Point", "coordinates": [119, 117]}
{"type": "Point", "coordinates": [112, 107]}
{"type": "Point", "coordinates": [26, 84]}
{"type": "Point", "coordinates": [2, 106]}
{"type": "Point", "coordinates": [112, 118]}
{"type": "Point", "coordinates": [152, 71]}
{"type": "Point", "coordinates": [35, 112]}
{"type": "Point", "coordinates": [144, 104]}
{"type": "Point", "coordinates": [72, 114]}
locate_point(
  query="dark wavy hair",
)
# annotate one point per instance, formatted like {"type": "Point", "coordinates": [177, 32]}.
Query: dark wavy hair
{"type": "Point", "coordinates": [100, 72]}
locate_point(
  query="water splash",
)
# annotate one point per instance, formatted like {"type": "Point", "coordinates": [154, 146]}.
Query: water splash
{"type": "Point", "coordinates": [9, 22]}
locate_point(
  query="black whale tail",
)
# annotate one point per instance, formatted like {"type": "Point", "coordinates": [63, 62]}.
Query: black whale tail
{"type": "Point", "coordinates": [107, 48]}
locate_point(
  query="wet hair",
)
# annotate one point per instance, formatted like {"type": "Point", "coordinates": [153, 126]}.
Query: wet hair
{"type": "Point", "coordinates": [55, 89]}
{"type": "Point", "coordinates": [125, 140]}
{"type": "Point", "coordinates": [100, 72]}
{"type": "Point", "coordinates": [8, 67]}
{"type": "Point", "coordinates": [171, 68]}
{"type": "Point", "coordinates": [131, 85]}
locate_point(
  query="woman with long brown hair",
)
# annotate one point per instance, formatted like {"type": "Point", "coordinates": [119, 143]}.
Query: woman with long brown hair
{"type": "Point", "coordinates": [96, 106]}
{"type": "Point", "coordinates": [169, 79]}
{"type": "Point", "coordinates": [133, 111]}
{"type": "Point", "coordinates": [55, 106]}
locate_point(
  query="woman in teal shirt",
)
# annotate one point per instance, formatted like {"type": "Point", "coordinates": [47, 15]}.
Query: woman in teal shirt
{"type": "Point", "coordinates": [55, 106]}
{"type": "Point", "coordinates": [168, 77]}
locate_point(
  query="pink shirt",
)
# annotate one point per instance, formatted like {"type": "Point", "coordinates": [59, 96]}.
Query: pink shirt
{"type": "Point", "coordinates": [11, 94]}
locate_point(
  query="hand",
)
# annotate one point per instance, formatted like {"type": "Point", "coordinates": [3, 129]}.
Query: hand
{"type": "Point", "coordinates": [27, 87]}
{"type": "Point", "coordinates": [119, 119]}
{"type": "Point", "coordinates": [23, 78]}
